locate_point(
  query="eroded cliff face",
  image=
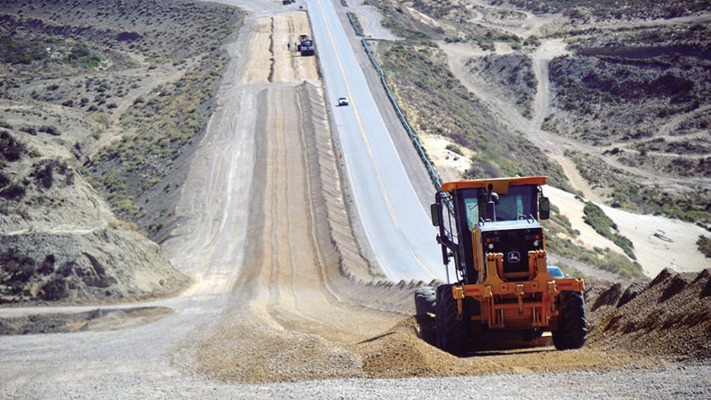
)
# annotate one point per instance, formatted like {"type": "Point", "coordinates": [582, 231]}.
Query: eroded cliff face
{"type": "Point", "coordinates": [59, 240]}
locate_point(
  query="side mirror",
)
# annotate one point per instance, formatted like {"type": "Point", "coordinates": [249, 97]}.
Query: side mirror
{"type": "Point", "coordinates": [544, 208]}
{"type": "Point", "coordinates": [434, 210]}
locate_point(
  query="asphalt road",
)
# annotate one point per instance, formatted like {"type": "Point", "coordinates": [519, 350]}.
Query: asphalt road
{"type": "Point", "coordinates": [395, 223]}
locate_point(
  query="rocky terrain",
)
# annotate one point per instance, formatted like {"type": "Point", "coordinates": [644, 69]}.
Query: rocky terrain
{"type": "Point", "coordinates": [99, 102]}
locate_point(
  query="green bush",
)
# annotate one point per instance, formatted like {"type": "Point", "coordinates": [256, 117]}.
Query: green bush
{"type": "Point", "coordinates": [50, 129]}
{"type": "Point", "coordinates": [595, 217]}
{"type": "Point", "coordinates": [82, 55]}
{"type": "Point", "coordinates": [15, 50]}
{"type": "Point", "coordinates": [704, 244]}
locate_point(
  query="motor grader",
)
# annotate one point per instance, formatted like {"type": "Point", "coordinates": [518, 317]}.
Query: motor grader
{"type": "Point", "coordinates": [502, 288]}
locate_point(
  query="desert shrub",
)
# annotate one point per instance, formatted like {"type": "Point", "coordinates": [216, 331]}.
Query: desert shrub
{"type": "Point", "coordinates": [10, 148]}
{"type": "Point", "coordinates": [82, 55]}
{"type": "Point", "coordinates": [128, 36]}
{"type": "Point", "coordinates": [15, 50]}
{"type": "Point", "coordinates": [43, 172]}
{"type": "Point", "coordinates": [704, 244]}
{"type": "Point", "coordinates": [16, 266]}
{"type": "Point", "coordinates": [4, 180]}
{"type": "Point", "coordinates": [47, 266]}
{"type": "Point", "coordinates": [455, 149]}
{"type": "Point", "coordinates": [595, 217]}
{"type": "Point", "coordinates": [50, 129]}
{"type": "Point", "coordinates": [54, 290]}
{"type": "Point", "coordinates": [44, 177]}
{"type": "Point", "coordinates": [14, 192]}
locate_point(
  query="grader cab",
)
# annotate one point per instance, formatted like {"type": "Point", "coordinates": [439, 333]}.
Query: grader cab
{"type": "Point", "coordinates": [502, 289]}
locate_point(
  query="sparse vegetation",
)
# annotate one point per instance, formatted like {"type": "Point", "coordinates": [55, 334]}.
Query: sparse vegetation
{"type": "Point", "coordinates": [612, 9]}
{"type": "Point", "coordinates": [511, 73]}
{"type": "Point", "coordinates": [171, 118]}
{"type": "Point", "coordinates": [561, 240]}
{"type": "Point", "coordinates": [595, 217]}
{"type": "Point", "coordinates": [62, 55]}
{"type": "Point", "coordinates": [640, 94]}
{"type": "Point", "coordinates": [436, 102]}
{"type": "Point", "coordinates": [604, 93]}
{"type": "Point", "coordinates": [11, 149]}
{"type": "Point", "coordinates": [629, 191]}
{"type": "Point", "coordinates": [397, 19]}
{"type": "Point", "coordinates": [704, 244]}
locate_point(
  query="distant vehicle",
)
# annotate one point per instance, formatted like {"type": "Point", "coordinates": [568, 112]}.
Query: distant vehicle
{"type": "Point", "coordinates": [306, 46]}
{"type": "Point", "coordinates": [343, 101]}
{"type": "Point", "coordinates": [555, 271]}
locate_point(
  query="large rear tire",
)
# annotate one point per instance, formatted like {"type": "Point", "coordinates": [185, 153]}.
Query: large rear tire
{"type": "Point", "coordinates": [572, 329]}
{"type": "Point", "coordinates": [425, 300]}
{"type": "Point", "coordinates": [451, 332]}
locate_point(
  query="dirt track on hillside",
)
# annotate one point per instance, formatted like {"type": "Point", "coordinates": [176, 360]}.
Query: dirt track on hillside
{"type": "Point", "coordinates": [653, 255]}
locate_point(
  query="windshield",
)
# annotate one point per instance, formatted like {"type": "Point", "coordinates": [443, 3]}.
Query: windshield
{"type": "Point", "coordinates": [518, 203]}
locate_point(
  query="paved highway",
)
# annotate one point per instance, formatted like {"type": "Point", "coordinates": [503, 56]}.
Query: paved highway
{"type": "Point", "coordinates": [396, 224]}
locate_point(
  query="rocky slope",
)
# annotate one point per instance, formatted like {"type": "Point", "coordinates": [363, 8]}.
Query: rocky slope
{"type": "Point", "coordinates": [59, 239]}
{"type": "Point", "coordinates": [102, 103]}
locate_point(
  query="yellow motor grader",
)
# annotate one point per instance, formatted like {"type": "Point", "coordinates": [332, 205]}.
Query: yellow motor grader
{"type": "Point", "coordinates": [503, 287]}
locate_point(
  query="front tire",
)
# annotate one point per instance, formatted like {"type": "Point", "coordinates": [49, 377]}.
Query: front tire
{"type": "Point", "coordinates": [451, 332]}
{"type": "Point", "coordinates": [425, 303]}
{"type": "Point", "coordinates": [572, 328]}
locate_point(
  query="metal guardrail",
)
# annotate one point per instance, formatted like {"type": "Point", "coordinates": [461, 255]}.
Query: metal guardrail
{"type": "Point", "coordinates": [416, 142]}
{"type": "Point", "coordinates": [355, 23]}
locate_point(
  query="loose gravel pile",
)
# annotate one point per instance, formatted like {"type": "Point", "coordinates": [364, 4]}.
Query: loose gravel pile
{"type": "Point", "coordinates": [669, 317]}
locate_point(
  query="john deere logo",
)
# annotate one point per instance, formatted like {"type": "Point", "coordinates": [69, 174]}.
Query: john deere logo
{"type": "Point", "coordinates": [514, 256]}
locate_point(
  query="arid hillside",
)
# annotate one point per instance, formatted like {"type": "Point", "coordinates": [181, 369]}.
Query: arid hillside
{"type": "Point", "coordinates": [101, 104]}
{"type": "Point", "coordinates": [612, 106]}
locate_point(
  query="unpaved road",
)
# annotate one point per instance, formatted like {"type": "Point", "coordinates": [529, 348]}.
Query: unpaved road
{"type": "Point", "coordinates": [279, 293]}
